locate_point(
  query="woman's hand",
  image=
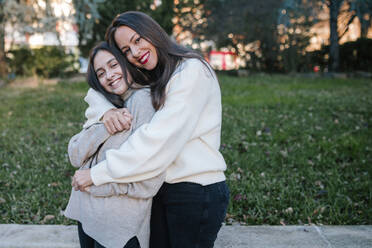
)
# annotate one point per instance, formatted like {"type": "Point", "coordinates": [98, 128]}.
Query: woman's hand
{"type": "Point", "coordinates": [81, 180]}
{"type": "Point", "coordinates": [117, 120]}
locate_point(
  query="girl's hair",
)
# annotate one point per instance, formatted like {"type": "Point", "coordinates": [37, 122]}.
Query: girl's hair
{"type": "Point", "coordinates": [169, 52]}
{"type": "Point", "coordinates": [92, 75]}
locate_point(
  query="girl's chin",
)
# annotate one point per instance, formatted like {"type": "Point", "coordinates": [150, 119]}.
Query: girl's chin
{"type": "Point", "coordinates": [117, 89]}
{"type": "Point", "coordinates": [150, 66]}
{"type": "Point", "coordinates": [119, 92]}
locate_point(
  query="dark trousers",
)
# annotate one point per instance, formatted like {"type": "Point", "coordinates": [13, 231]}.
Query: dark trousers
{"type": "Point", "coordinates": [87, 242]}
{"type": "Point", "coordinates": [188, 215]}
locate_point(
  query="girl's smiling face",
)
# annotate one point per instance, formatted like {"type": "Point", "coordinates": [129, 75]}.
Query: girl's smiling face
{"type": "Point", "coordinates": [138, 50]}
{"type": "Point", "coordinates": [109, 73]}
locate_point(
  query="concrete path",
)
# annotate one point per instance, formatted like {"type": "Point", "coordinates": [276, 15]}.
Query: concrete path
{"type": "Point", "coordinates": [56, 236]}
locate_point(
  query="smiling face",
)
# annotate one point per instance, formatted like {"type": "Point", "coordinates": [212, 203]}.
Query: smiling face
{"type": "Point", "coordinates": [138, 50]}
{"type": "Point", "coordinates": [109, 73]}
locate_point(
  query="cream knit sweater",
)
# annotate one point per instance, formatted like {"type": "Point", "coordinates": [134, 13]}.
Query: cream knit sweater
{"type": "Point", "coordinates": [183, 137]}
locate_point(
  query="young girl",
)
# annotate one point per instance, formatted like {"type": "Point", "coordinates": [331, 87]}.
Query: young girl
{"type": "Point", "coordinates": [182, 139]}
{"type": "Point", "coordinates": [112, 215]}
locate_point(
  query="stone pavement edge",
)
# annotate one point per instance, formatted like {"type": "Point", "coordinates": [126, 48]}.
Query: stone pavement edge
{"type": "Point", "coordinates": [235, 236]}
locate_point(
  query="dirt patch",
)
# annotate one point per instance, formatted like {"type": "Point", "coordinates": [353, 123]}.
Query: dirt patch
{"type": "Point", "coordinates": [32, 82]}
{"type": "Point", "coordinates": [75, 79]}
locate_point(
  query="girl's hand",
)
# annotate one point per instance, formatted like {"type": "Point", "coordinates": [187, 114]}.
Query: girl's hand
{"type": "Point", "coordinates": [81, 180]}
{"type": "Point", "coordinates": [117, 120]}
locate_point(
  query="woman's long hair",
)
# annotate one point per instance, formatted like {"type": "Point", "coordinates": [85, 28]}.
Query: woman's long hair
{"type": "Point", "coordinates": [92, 75]}
{"type": "Point", "coordinates": [169, 52]}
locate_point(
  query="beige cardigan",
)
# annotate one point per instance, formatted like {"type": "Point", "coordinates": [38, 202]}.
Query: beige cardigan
{"type": "Point", "coordinates": [113, 213]}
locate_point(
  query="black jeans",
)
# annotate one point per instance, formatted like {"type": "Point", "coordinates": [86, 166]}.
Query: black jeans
{"type": "Point", "coordinates": [188, 215]}
{"type": "Point", "coordinates": [88, 242]}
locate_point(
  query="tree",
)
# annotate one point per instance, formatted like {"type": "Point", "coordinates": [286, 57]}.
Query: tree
{"type": "Point", "coordinates": [189, 18]}
{"type": "Point", "coordinates": [20, 16]}
{"type": "Point", "coordinates": [3, 65]}
{"type": "Point", "coordinates": [239, 26]}
{"type": "Point", "coordinates": [295, 21]}
{"type": "Point", "coordinates": [164, 14]}
{"type": "Point", "coordinates": [334, 49]}
{"type": "Point", "coordinates": [361, 9]}
{"type": "Point", "coordinates": [25, 17]}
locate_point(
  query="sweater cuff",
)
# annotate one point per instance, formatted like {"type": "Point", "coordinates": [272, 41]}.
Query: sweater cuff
{"type": "Point", "coordinates": [100, 174]}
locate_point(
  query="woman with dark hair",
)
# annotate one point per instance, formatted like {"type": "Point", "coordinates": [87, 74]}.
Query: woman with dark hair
{"type": "Point", "coordinates": [112, 214]}
{"type": "Point", "coordinates": [182, 138]}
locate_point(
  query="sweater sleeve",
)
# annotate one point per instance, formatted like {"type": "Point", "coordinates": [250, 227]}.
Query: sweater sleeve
{"type": "Point", "coordinates": [154, 146]}
{"type": "Point", "coordinates": [98, 106]}
{"type": "Point", "coordinates": [84, 144]}
{"type": "Point", "coordinates": [143, 189]}
{"type": "Point", "coordinates": [141, 107]}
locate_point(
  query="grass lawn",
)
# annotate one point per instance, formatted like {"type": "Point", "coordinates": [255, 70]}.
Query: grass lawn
{"type": "Point", "coordinates": [298, 150]}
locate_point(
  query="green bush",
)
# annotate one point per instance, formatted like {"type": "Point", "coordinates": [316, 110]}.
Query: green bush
{"type": "Point", "coordinates": [48, 61]}
{"type": "Point", "coordinates": [21, 61]}
{"type": "Point", "coordinates": [354, 56]}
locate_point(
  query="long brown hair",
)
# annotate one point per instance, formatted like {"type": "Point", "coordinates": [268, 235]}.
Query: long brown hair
{"type": "Point", "coordinates": [169, 52]}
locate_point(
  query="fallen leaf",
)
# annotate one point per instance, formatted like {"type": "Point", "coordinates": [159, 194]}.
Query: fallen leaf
{"type": "Point", "coordinates": [52, 184]}
{"type": "Point", "coordinates": [235, 176]}
{"type": "Point", "coordinates": [319, 184]}
{"type": "Point", "coordinates": [289, 210]}
{"type": "Point", "coordinates": [284, 153]}
{"type": "Point", "coordinates": [47, 218]}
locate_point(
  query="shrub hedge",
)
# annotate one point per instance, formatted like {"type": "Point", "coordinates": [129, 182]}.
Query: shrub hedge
{"type": "Point", "coordinates": [47, 61]}
{"type": "Point", "coordinates": [354, 56]}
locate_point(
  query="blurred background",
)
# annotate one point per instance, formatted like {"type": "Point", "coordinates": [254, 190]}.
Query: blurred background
{"type": "Point", "coordinates": [52, 38]}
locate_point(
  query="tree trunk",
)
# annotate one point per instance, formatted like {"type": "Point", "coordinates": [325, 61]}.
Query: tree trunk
{"type": "Point", "coordinates": [334, 53]}
{"type": "Point", "coordinates": [364, 25]}
{"type": "Point", "coordinates": [3, 65]}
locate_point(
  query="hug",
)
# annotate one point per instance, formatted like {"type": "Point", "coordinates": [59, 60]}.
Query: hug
{"type": "Point", "coordinates": [150, 171]}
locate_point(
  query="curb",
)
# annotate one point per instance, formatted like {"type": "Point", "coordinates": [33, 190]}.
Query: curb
{"type": "Point", "coordinates": [235, 236]}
